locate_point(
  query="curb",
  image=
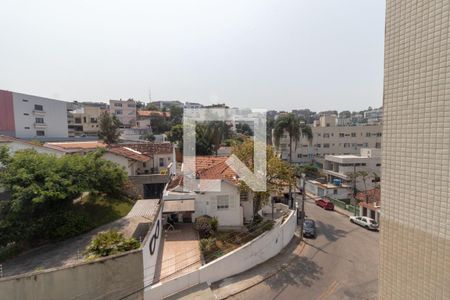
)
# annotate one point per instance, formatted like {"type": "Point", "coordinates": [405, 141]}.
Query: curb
{"type": "Point", "coordinates": [283, 267]}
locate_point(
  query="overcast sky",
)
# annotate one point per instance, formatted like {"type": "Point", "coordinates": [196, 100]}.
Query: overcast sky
{"type": "Point", "coordinates": [280, 54]}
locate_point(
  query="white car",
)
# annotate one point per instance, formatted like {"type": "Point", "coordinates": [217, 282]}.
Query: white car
{"type": "Point", "coordinates": [365, 222]}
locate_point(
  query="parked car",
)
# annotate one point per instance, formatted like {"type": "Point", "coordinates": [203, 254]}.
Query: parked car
{"type": "Point", "coordinates": [309, 228]}
{"type": "Point", "coordinates": [365, 222]}
{"type": "Point", "coordinates": [325, 204]}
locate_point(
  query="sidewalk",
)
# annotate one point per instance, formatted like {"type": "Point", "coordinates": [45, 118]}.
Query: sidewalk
{"type": "Point", "coordinates": [337, 209]}
{"type": "Point", "coordinates": [241, 282]}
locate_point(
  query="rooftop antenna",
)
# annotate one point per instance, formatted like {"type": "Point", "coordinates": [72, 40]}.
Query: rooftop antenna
{"type": "Point", "coordinates": [150, 94]}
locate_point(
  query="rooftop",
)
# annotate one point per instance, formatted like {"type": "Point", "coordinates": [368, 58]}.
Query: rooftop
{"type": "Point", "coordinates": [76, 146]}
{"type": "Point", "coordinates": [129, 153]}
{"type": "Point", "coordinates": [150, 149]}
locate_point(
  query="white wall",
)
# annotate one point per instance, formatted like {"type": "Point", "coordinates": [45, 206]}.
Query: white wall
{"type": "Point", "coordinates": [249, 255]}
{"type": "Point", "coordinates": [55, 117]}
{"type": "Point", "coordinates": [152, 239]}
{"type": "Point", "coordinates": [206, 204]}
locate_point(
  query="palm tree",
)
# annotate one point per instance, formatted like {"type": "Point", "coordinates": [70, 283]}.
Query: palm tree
{"type": "Point", "coordinates": [296, 129]}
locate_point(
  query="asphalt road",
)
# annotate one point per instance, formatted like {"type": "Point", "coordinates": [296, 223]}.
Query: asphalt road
{"type": "Point", "coordinates": [341, 263]}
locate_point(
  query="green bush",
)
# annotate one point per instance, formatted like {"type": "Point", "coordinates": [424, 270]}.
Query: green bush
{"type": "Point", "coordinates": [203, 226]}
{"type": "Point", "coordinates": [214, 224]}
{"type": "Point", "coordinates": [109, 243]}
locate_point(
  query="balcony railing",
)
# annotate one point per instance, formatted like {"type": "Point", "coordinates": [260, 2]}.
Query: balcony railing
{"type": "Point", "coordinates": [40, 125]}
{"type": "Point", "coordinates": [39, 112]}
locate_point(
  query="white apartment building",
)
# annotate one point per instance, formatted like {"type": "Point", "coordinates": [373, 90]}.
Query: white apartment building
{"type": "Point", "coordinates": [124, 110]}
{"type": "Point", "coordinates": [32, 117]}
{"type": "Point", "coordinates": [415, 187]}
{"type": "Point", "coordinates": [331, 139]}
{"type": "Point", "coordinates": [338, 167]}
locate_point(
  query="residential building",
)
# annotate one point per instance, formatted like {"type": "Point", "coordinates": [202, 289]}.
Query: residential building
{"type": "Point", "coordinates": [124, 110]}
{"type": "Point", "coordinates": [415, 220]}
{"type": "Point", "coordinates": [32, 117]}
{"type": "Point", "coordinates": [330, 139]}
{"type": "Point", "coordinates": [227, 205]}
{"type": "Point", "coordinates": [339, 168]}
{"type": "Point", "coordinates": [370, 204]}
{"type": "Point", "coordinates": [84, 120]}
{"type": "Point", "coordinates": [192, 105]}
{"type": "Point", "coordinates": [167, 104]}
{"type": "Point", "coordinates": [322, 188]}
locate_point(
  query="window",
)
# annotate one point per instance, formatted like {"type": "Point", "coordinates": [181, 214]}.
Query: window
{"type": "Point", "coordinates": [326, 145]}
{"type": "Point", "coordinates": [144, 165]}
{"type": "Point", "coordinates": [39, 120]}
{"type": "Point", "coordinates": [244, 196]}
{"type": "Point", "coordinates": [368, 134]}
{"type": "Point", "coordinates": [378, 165]}
{"type": "Point", "coordinates": [335, 191]}
{"type": "Point", "coordinates": [84, 119]}
{"type": "Point", "coordinates": [379, 134]}
{"type": "Point", "coordinates": [26, 127]}
{"type": "Point", "coordinates": [346, 145]}
{"type": "Point", "coordinates": [353, 134]}
{"type": "Point", "coordinates": [161, 162]}
{"type": "Point", "coordinates": [77, 120]}
{"type": "Point", "coordinates": [223, 202]}
{"type": "Point", "coordinates": [378, 145]}
{"type": "Point", "coordinates": [326, 135]}
{"type": "Point", "coordinates": [341, 134]}
{"type": "Point", "coordinates": [26, 114]}
{"type": "Point", "coordinates": [118, 112]}
{"type": "Point", "coordinates": [118, 104]}
{"type": "Point", "coordinates": [131, 105]}
{"type": "Point", "coordinates": [168, 158]}
{"type": "Point", "coordinates": [93, 120]}
{"type": "Point", "coordinates": [24, 100]}
{"type": "Point", "coordinates": [38, 107]}
{"type": "Point", "coordinates": [40, 132]}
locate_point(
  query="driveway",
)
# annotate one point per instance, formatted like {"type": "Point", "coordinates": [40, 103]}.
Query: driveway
{"type": "Point", "coordinates": [341, 263]}
{"type": "Point", "coordinates": [180, 253]}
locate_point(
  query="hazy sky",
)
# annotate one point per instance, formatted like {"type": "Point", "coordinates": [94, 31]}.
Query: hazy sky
{"type": "Point", "coordinates": [280, 54]}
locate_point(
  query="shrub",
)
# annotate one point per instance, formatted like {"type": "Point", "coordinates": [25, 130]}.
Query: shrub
{"type": "Point", "coordinates": [207, 245]}
{"type": "Point", "coordinates": [203, 226]}
{"type": "Point", "coordinates": [214, 224]}
{"type": "Point", "coordinates": [109, 243]}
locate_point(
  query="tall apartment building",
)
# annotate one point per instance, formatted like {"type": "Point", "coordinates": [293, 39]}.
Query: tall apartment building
{"type": "Point", "coordinates": [415, 233]}
{"type": "Point", "coordinates": [32, 117]}
{"type": "Point", "coordinates": [124, 110]}
{"type": "Point", "coordinates": [331, 139]}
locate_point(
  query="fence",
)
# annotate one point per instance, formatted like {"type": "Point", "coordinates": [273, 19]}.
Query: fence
{"type": "Point", "coordinates": [344, 205]}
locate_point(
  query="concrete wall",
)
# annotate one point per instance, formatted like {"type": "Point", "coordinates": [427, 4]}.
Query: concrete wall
{"type": "Point", "coordinates": [54, 114]}
{"type": "Point", "coordinates": [109, 278]}
{"type": "Point", "coordinates": [249, 255]}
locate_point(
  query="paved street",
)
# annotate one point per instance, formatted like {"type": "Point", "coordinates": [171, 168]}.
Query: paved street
{"type": "Point", "coordinates": [341, 263]}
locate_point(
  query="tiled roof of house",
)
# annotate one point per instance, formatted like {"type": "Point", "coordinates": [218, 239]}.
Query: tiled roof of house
{"type": "Point", "coordinates": [208, 167]}
{"type": "Point", "coordinates": [150, 149]}
{"type": "Point", "coordinates": [129, 153]}
{"type": "Point", "coordinates": [10, 139]}
{"type": "Point", "coordinates": [150, 113]}
{"type": "Point", "coordinates": [73, 146]}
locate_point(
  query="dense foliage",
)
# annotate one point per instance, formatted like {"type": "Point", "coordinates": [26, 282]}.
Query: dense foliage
{"type": "Point", "coordinates": [109, 128]}
{"type": "Point", "coordinates": [43, 188]}
{"type": "Point", "coordinates": [109, 243]}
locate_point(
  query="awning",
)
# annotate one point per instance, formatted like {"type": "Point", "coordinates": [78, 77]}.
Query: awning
{"type": "Point", "coordinates": [184, 205]}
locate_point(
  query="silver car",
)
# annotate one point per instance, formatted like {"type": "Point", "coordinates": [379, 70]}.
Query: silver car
{"type": "Point", "coordinates": [365, 222]}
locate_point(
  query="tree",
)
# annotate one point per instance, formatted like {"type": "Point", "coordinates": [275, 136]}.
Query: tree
{"type": "Point", "coordinates": [159, 124]}
{"type": "Point", "coordinates": [278, 174]}
{"type": "Point", "coordinates": [109, 128]}
{"type": "Point", "coordinates": [296, 129]}
{"type": "Point", "coordinates": [148, 136]}
{"type": "Point", "coordinates": [151, 106]}
{"type": "Point", "coordinates": [244, 128]}
{"type": "Point", "coordinates": [176, 115]}
{"type": "Point", "coordinates": [43, 188]}
{"type": "Point", "coordinates": [310, 171]}
{"type": "Point", "coordinates": [176, 134]}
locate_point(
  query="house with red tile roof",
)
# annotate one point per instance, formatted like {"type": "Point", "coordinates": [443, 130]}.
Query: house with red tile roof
{"type": "Point", "coordinates": [228, 204]}
{"type": "Point", "coordinates": [15, 144]}
{"type": "Point", "coordinates": [370, 203]}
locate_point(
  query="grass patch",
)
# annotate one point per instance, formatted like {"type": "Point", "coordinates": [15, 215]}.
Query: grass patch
{"type": "Point", "coordinates": [99, 211]}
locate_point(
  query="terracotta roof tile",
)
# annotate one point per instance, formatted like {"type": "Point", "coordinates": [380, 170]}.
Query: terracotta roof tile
{"type": "Point", "coordinates": [76, 145]}
{"type": "Point", "coordinates": [150, 149]}
{"type": "Point", "coordinates": [150, 113]}
{"type": "Point", "coordinates": [129, 153]}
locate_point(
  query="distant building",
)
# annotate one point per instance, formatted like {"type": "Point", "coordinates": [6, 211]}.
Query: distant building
{"type": "Point", "coordinates": [192, 105]}
{"type": "Point", "coordinates": [84, 120]}
{"type": "Point", "coordinates": [338, 167]}
{"type": "Point", "coordinates": [124, 110]}
{"type": "Point", "coordinates": [32, 117]}
{"type": "Point", "coordinates": [331, 139]}
{"type": "Point", "coordinates": [167, 104]}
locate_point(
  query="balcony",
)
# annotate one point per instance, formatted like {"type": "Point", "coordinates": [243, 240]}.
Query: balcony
{"type": "Point", "coordinates": [38, 112]}
{"type": "Point", "coordinates": [40, 125]}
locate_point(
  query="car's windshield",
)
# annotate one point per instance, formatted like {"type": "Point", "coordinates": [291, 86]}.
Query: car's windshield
{"type": "Point", "coordinates": [373, 222]}
{"type": "Point", "coordinates": [309, 223]}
